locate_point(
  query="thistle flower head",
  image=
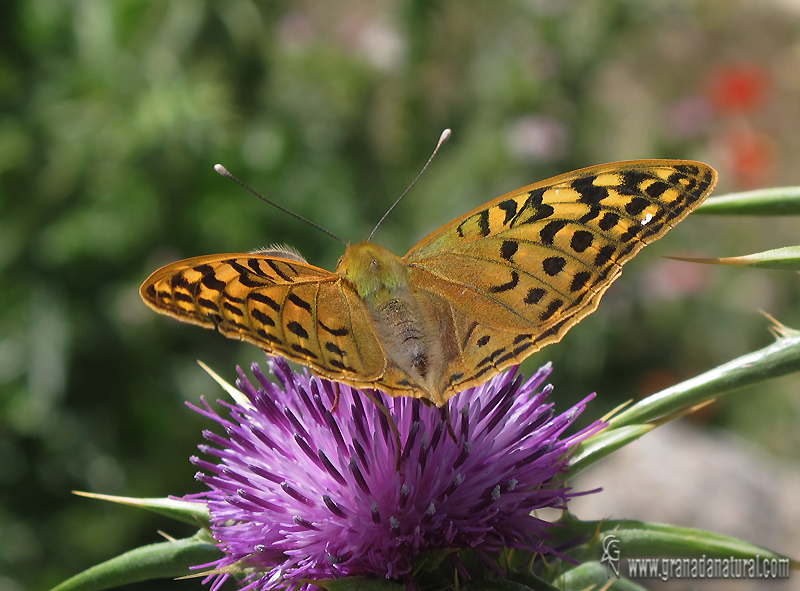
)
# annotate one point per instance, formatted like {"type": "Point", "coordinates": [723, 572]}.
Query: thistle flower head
{"type": "Point", "coordinates": [303, 493]}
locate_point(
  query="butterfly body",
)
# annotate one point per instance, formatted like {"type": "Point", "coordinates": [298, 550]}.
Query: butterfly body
{"type": "Point", "coordinates": [474, 297]}
{"type": "Point", "coordinates": [404, 319]}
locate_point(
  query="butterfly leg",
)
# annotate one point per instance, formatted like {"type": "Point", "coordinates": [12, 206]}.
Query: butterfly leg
{"type": "Point", "coordinates": [392, 425]}
{"type": "Point", "coordinates": [336, 397]}
{"type": "Point", "coordinates": [445, 410]}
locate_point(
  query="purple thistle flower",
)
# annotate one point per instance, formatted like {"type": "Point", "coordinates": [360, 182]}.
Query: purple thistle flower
{"type": "Point", "coordinates": [302, 493]}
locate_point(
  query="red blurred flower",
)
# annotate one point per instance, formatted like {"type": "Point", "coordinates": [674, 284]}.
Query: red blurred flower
{"type": "Point", "coordinates": [739, 88]}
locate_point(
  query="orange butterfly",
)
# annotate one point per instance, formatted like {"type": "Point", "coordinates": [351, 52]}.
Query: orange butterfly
{"type": "Point", "coordinates": [476, 296]}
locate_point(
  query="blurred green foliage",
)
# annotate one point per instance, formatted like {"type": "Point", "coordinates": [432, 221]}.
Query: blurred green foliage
{"type": "Point", "coordinates": [113, 112]}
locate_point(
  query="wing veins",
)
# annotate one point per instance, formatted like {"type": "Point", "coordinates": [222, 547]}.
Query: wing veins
{"type": "Point", "coordinates": [520, 269]}
{"type": "Point", "coordinates": [493, 299]}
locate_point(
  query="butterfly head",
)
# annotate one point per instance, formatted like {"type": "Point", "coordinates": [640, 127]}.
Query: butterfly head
{"type": "Point", "coordinates": [372, 270]}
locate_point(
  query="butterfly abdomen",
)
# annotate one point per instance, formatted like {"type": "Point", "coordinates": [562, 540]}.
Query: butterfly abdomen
{"type": "Point", "coordinates": [404, 324]}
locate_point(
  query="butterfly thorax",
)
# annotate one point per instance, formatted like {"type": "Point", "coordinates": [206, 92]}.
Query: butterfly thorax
{"type": "Point", "coordinates": [402, 320]}
{"type": "Point", "coordinates": [373, 271]}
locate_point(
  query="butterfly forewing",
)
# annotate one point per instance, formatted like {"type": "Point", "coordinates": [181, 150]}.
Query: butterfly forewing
{"type": "Point", "coordinates": [286, 307]}
{"type": "Point", "coordinates": [524, 268]}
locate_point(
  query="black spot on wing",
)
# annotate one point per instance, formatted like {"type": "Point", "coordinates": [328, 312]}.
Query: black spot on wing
{"type": "Point", "coordinates": [237, 325]}
{"type": "Point", "coordinates": [179, 281]}
{"type": "Point", "coordinates": [211, 282]}
{"type": "Point", "coordinates": [182, 296]}
{"type": "Point", "coordinates": [535, 198]}
{"type": "Point", "coordinates": [631, 179]}
{"type": "Point", "coordinates": [510, 207]}
{"type": "Point", "coordinates": [593, 212]}
{"type": "Point", "coordinates": [608, 221]}
{"type": "Point", "coordinates": [580, 279]}
{"type": "Point", "coordinates": [264, 299]}
{"type": "Point", "coordinates": [631, 232]}
{"type": "Point", "coordinates": [551, 309]}
{"type": "Point", "coordinates": [470, 330]}
{"type": "Point", "coordinates": [232, 309]}
{"type": "Point", "coordinates": [203, 269]}
{"type": "Point", "coordinates": [656, 189]}
{"type": "Point", "coordinates": [481, 342]}
{"type": "Point", "coordinates": [339, 365]}
{"type": "Point", "coordinates": [553, 265]}
{"type": "Point", "coordinates": [534, 204]}
{"type": "Point", "coordinates": [239, 268]}
{"type": "Point", "coordinates": [590, 193]}
{"type": "Point", "coordinates": [636, 206]}
{"type": "Point", "coordinates": [535, 294]}
{"type": "Point", "coordinates": [604, 255]}
{"type": "Point", "coordinates": [581, 240]}
{"type": "Point", "coordinates": [297, 329]}
{"type": "Point", "coordinates": [483, 222]}
{"type": "Point", "coordinates": [482, 371]}
{"type": "Point", "coordinates": [275, 267]}
{"type": "Point", "coordinates": [337, 332]}
{"type": "Point", "coordinates": [512, 283]}
{"type": "Point", "coordinates": [516, 351]}
{"type": "Point", "coordinates": [456, 376]}
{"type": "Point", "coordinates": [491, 357]}
{"type": "Point", "coordinates": [689, 169]}
{"type": "Point", "coordinates": [508, 249]}
{"type": "Point", "coordinates": [299, 302]}
{"type": "Point", "coordinates": [548, 233]}
{"type": "Point", "coordinates": [268, 337]}
{"type": "Point", "coordinates": [303, 351]}
{"type": "Point", "coordinates": [521, 338]}
{"type": "Point", "coordinates": [333, 348]}
{"type": "Point", "coordinates": [542, 212]}
{"type": "Point", "coordinates": [262, 317]}
{"type": "Point", "coordinates": [255, 267]}
{"type": "Point", "coordinates": [208, 304]}
{"type": "Point", "coordinates": [248, 280]}
{"type": "Point", "coordinates": [246, 276]}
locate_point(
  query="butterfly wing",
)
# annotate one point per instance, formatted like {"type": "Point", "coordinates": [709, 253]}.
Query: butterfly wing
{"type": "Point", "coordinates": [286, 307]}
{"type": "Point", "coordinates": [517, 273]}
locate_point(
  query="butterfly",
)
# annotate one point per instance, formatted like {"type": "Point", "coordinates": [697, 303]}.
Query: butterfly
{"type": "Point", "coordinates": [476, 296]}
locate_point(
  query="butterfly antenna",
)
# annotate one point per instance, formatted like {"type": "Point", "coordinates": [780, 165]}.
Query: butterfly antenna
{"type": "Point", "coordinates": [224, 172]}
{"type": "Point", "coordinates": [442, 139]}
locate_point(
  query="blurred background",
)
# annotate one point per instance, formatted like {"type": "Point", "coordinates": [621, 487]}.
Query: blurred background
{"type": "Point", "coordinates": [113, 113]}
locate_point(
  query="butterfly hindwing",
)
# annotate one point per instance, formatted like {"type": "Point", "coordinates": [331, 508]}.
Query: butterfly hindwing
{"type": "Point", "coordinates": [527, 266]}
{"type": "Point", "coordinates": [286, 307]}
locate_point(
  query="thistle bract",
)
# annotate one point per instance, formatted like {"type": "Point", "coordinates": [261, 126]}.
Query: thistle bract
{"type": "Point", "coordinates": [307, 490]}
